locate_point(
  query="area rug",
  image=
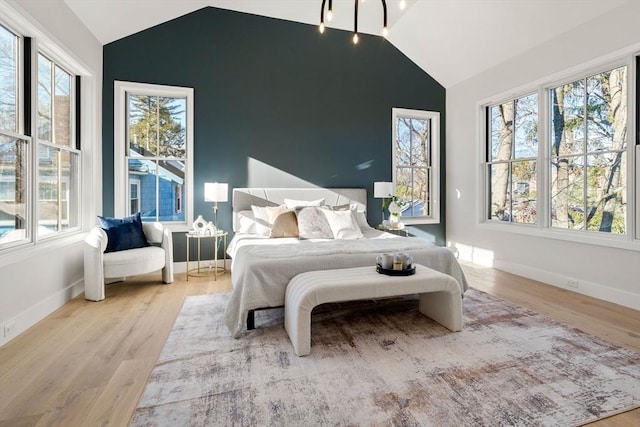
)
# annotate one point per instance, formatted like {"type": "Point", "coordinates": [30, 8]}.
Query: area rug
{"type": "Point", "coordinates": [385, 364]}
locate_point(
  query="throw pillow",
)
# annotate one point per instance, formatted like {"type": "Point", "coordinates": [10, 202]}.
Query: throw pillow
{"type": "Point", "coordinates": [343, 224]}
{"type": "Point", "coordinates": [123, 233]}
{"type": "Point", "coordinates": [261, 217]}
{"type": "Point", "coordinates": [312, 224]}
{"type": "Point", "coordinates": [360, 216]}
{"type": "Point", "coordinates": [246, 222]}
{"type": "Point", "coordinates": [361, 219]}
{"type": "Point", "coordinates": [284, 223]}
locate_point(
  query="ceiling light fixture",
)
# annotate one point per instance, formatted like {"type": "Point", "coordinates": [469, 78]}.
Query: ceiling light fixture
{"type": "Point", "coordinates": [385, 31]}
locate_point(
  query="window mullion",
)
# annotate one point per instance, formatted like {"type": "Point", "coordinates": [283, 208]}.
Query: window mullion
{"type": "Point", "coordinates": [32, 156]}
{"type": "Point", "coordinates": [543, 160]}
{"type": "Point", "coordinates": [52, 89]}
{"type": "Point", "coordinates": [585, 159]}
{"type": "Point", "coordinates": [157, 154]}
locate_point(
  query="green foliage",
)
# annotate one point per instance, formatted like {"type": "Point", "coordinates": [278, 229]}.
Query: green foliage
{"type": "Point", "coordinates": [154, 126]}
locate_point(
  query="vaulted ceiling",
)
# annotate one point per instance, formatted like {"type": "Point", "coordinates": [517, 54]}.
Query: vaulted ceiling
{"type": "Point", "coordinates": [452, 40]}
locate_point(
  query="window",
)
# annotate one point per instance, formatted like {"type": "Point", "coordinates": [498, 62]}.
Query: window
{"type": "Point", "coordinates": [14, 142]}
{"type": "Point", "coordinates": [58, 154]}
{"type": "Point", "coordinates": [154, 128]}
{"type": "Point", "coordinates": [39, 182]}
{"type": "Point", "coordinates": [134, 195]}
{"type": "Point", "coordinates": [581, 157]}
{"type": "Point", "coordinates": [511, 162]}
{"type": "Point", "coordinates": [588, 120]}
{"type": "Point", "coordinates": [416, 141]}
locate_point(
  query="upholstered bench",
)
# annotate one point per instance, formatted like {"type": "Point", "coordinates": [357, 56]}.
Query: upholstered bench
{"type": "Point", "coordinates": [440, 297]}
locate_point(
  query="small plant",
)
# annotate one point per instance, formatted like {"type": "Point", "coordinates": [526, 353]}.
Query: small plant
{"type": "Point", "coordinates": [394, 204]}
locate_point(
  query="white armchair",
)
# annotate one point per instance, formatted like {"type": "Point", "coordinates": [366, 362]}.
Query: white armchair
{"type": "Point", "coordinates": [101, 267]}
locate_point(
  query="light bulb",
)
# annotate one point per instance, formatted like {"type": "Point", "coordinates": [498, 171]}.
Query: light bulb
{"type": "Point", "coordinates": [330, 15]}
{"type": "Point", "coordinates": [403, 3]}
{"type": "Point", "coordinates": [355, 38]}
{"type": "Point", "coordinates": [385, 32]}
{"type": "Point", "coordinates": [321, 28]}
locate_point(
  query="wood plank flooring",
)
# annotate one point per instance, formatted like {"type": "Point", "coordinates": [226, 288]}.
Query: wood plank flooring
{"type": "Point", "coordinates": [87, 363]}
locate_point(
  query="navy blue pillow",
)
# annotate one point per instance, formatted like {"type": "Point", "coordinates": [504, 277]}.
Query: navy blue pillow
{"type": "Point", "coordinates": [123, 233]}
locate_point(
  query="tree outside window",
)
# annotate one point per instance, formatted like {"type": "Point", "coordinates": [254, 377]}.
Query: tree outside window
{"type": "Point", "coordinates": [586, 158]}
{"type": "Point", "coordinates": [13, 145]}
{"type": "Point", "coordinates": [416, 158]}
{"type": "Point", "coordinates": [588, 153]}
{"type": "Point", "coordinates": [512, 154]}
{"type": "Point", "coordinates": [156, 155]}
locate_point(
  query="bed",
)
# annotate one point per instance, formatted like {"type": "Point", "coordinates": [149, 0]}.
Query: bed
{"type": "Point", "coordinates": [262, 266]}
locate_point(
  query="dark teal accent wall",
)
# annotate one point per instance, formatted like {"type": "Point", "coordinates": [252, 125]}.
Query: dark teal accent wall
{"type": "Point", "coordinates": [302, 103]}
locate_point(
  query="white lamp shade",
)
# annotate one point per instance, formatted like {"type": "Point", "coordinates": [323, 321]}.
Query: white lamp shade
{"type": "Point", "coordinates": [216, 192]}
{"type": "Point", "coordinates": [382, 190]}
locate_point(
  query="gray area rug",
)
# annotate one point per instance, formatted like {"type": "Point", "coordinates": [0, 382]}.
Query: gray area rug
{"type": "Point", "coordinates": [383, 363]}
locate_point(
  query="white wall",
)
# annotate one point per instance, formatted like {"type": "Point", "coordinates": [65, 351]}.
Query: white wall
{"type": "Point", "coordinates": [36, 281]}
{"type": "Point", "coordinates": [604, 272]}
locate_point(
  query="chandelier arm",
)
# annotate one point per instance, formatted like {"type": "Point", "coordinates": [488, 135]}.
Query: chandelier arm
{"type": "Point", "coordinates": [355, 19]}
{"type": "Point", "coordinates": [322, 11]}
{"type": "Point", "coordinates": [384, 10]}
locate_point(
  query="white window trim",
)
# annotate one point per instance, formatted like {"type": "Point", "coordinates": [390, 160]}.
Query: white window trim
{"type": "Point", "coordinates": [629, 241]}
{"type": "Point", "coordinates": [121, 191]}
{"type": "Point", "coordinates": [36, 51]}
{"type": "Point", "coordinates": [18, 21]}
{"type": "Point", "coordinates": [434, 195]}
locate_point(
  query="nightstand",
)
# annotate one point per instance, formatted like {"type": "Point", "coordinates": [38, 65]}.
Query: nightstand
{"type": "Point", "coordinates": [399, 229]}
{"type": "Point", "coordinates": [213, 267]}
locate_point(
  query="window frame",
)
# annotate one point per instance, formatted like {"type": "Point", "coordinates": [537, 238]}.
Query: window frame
{"type": "Point", "coordinates": [489, 161]}
{"type": "Point", "coordinates": [433, 168]}
{"type": "Point", "coordinates": [629, 240]}
{"type": "Point", "coordinates": [121, 191]}
{"type": "Point", "coordinates": [33, 41]}
{"type": "Point", "coordinates": [20, 132]}
{"type": "Point", "coordinates": [74, 142]}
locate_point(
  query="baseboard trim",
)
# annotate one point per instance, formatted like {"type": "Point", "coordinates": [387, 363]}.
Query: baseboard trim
{"type": "Point", "coordinates": [40, 310]}
{"type": "Point", "coordinates": [180, 267]}
{"type": "Point", "coordinates": [595, 290]}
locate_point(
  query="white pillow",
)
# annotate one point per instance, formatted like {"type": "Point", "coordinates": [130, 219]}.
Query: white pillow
{"type": "Point", "coordinates": [265, 216]}
{"type": "Point", "coordinates": [361, 219]}
{"type": "Point", "coordinates": [360, 216]}
{"type": "Point", "coordinates": [343, 224]}
{"type": "Point", "coordinates": [292, 204]}
{"type": "Point", "coordinates": [246, 222]}
{"type": "Point", "coordinates": [261, 220]}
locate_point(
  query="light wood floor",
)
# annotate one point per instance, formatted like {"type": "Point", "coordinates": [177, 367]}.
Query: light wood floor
{"type": "Point", "coordinates": [87, 363]}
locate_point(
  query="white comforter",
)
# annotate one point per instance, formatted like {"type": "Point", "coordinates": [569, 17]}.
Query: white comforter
{"type": "Point", "coordinates": [262, 268]}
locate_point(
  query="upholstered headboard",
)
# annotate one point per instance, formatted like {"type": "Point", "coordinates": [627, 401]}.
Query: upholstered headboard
{"type": "Point", "coordinates": [243, 198]}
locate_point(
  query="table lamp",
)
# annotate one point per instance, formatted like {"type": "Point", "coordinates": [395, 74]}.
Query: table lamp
{"type": "Point", "coordinates": [216, 192]}
{"type": "Point", "coordinates": [382, 190]}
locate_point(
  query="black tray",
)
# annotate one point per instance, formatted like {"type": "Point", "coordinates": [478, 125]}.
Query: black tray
{"type": "Point", "coordinates": [408, 272]}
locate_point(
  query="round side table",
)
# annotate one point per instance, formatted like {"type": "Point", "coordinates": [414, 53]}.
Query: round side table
{"type": "Point", "coordinates": [213, 268]}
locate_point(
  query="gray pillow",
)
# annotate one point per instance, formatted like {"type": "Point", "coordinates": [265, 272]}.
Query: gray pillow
{"type": "Point", "coordinates": [313, 224]}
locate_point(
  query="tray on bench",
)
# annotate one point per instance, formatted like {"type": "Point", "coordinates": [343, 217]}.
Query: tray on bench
{"type": "Point", "coordinates": [388, 272]}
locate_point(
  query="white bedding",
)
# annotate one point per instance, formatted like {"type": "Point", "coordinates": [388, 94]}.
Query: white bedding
{"type": "Point", "coordinates": [242, 239]}
{"type": "Point", "coordinates": [261, 267]}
